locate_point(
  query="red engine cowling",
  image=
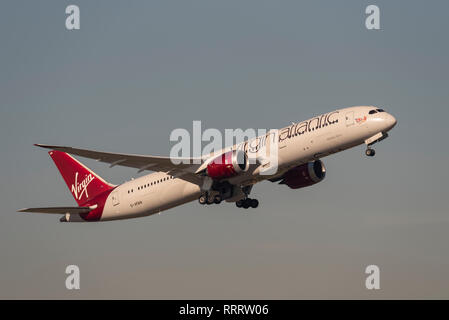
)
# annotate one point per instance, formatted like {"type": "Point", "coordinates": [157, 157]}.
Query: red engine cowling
{"type": "Point", "coordinates": [227, 165]}
{"type": "Point", "coordinates": [304, 175]}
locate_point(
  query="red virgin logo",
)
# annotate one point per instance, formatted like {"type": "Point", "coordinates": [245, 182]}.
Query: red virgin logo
{"type": "Point", "coordinates": [80, 189]}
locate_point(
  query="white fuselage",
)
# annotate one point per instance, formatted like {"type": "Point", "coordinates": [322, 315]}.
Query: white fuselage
{"type": "Point", "coordinates": [298, 143]}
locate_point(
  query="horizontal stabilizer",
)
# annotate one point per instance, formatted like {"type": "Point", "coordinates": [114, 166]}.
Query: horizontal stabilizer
{"type": "Point", "coordinates": [59, 210]}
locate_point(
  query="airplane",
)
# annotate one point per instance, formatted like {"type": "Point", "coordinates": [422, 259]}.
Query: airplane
{"type": "Point", "coordinates": [228, 176]}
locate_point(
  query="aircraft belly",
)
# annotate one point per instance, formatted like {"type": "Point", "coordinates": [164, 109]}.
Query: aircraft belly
{"type": "Point", "coordinates": [177, 193]}
{"type": "Point", "coordinates": [153, 201]}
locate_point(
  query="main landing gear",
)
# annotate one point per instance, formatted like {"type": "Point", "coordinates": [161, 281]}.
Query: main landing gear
{"type": "Point", "coordinates": [209, 199]}
{"type": "Point", "coordinates": [243, 203]}
{"type": "Point", "coordinates": [247, 202]}
{"type": "Point", "coordinates": [370, 152]}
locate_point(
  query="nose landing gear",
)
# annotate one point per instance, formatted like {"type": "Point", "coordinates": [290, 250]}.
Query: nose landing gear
{"type": "Point", "coordinates": [370, 152]}
{"type": "Point", "coordinates": [372, 140]}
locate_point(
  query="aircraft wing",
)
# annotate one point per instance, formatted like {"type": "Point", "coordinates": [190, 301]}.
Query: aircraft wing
{"type": "Point", "coordinates": [58, 210]}
{"type": "Point", "coordinates": [185, 171]}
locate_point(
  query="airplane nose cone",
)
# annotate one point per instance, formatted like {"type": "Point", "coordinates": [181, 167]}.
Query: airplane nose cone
{"type": "Point", "coordinates": [391, 121]}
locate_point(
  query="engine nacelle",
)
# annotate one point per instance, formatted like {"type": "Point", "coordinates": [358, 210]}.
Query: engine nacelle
{"type": "Point", "coordinates": [304, 175]}
{"type": "Point", "coordinates": [227, 165]}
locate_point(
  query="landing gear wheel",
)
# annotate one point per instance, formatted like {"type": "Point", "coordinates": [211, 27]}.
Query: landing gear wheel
{"type": "Point", "coordinates": [210, 199]}
{"type": "Point", "coordinates": [254, 203]}
{"type": "Point", "coordinates": [247, 203]}
{"type": "Point", "coordinates": [370, 152]}
{"type": "Point", "coordinates": [217, 199]}
{"type": "Point", "coordinates": [202, 199]}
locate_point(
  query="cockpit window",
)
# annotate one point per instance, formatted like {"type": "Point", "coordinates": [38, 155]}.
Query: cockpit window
{"type": "Point", "coordinates": [380, 110]}
{"type": "Point", "coordinates": [372, 112]}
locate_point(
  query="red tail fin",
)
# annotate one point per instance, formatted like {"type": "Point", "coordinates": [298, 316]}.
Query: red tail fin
{"type": "Point", "coordinates": [82, 182]}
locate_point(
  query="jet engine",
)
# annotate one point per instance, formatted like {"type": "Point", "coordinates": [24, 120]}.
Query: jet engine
{"type": "Point", "coordinates": [304, 175]}
{"type": "Point", "coordinates": [227, 165]}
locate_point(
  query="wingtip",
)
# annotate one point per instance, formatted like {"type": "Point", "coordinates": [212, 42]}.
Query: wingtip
{"type": "Point", "coordinates": [45, 146]}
